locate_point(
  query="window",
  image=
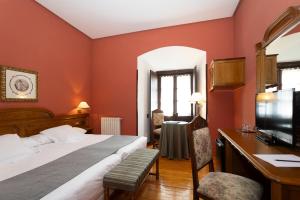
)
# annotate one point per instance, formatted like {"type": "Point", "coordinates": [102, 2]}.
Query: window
{"type": "Point", "coordinates": [184, 92]}
{"type": "Point", "coordinates": [290, 79]}
{"type": "Point", "coordinates": [175, 89]}
{"type": "Point", "coordinates": [289, 74]}
{"type": "Point", "coordinates": [166, 97]}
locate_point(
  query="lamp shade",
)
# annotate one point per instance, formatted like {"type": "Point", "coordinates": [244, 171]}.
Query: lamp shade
{"type": "Point", "coordinates": [83, 105]}
{"type": "Point", "coordinates": [267, 97]}
{"type": "Point", "coordinates": [197, 97]}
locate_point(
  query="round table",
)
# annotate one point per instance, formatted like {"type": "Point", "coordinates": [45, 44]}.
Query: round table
{"type": "Point", "coordinates": [173, 142]}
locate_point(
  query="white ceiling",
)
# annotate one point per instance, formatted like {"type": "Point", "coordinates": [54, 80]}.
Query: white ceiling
{"type": "Point", "coordinates": [287, 48]}
{"type": "Point", "coordinates": [102, 18]}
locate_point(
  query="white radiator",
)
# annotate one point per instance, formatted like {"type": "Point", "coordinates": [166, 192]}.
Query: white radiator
{"type": "Point", "coordinates": [111, 125]}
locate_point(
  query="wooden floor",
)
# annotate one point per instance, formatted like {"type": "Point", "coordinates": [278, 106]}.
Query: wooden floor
{"type": "Point", "coordinates": [175, 182]}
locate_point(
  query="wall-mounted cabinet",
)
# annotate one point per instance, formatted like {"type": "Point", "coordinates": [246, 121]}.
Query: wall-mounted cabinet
{"type": "Point", "coordinates": [271, 68]}
{"type": "Point", "coordinates": [227, 73]}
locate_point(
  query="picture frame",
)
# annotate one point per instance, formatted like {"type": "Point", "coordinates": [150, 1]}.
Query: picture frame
{"type": "Point", "coordinates": [18, 85]}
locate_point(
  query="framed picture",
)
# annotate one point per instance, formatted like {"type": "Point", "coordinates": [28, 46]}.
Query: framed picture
{"type": "Point", "coordinates": [18, 84]}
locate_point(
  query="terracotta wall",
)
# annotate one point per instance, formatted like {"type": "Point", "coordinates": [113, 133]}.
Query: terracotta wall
{"type": "Point", "coordinates": [250, 22]}
{"type": "Point", "coordinates": [115, 64]}
{"type": "Point", "coordinates": [72, 67]}
{"type": "Point", "coordinates": [33, 38]}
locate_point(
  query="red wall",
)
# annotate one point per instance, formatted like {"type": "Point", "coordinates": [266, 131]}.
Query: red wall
{"type": "Point", "coordinates": [250, 22]}
{"type": "Point", "coordinates": [115, 63]}
{"type": "Point", "coordinates": [33, 38]}
{"type": "Point", "coordinates": [72, 67]}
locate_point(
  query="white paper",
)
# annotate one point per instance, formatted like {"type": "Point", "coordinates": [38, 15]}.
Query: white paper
{"type": "Point", "coordinates": [272, 159]}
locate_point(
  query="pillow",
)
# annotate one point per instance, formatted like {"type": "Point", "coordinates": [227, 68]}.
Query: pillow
{"type": "Point", "coordinates": [56, 129]}
{"type": "Point", "coordinates": [12, 148]}
{"type": "Point", "coordinates": [8, 139]}
{"type": "Point", "coordinates": [36, 140]}
{"type": "Point", "coordinates": [63, 134]}
{"type": "Point", "coordinates": [79, 130]}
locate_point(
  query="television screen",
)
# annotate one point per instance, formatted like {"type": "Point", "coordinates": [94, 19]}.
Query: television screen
{"type": "Point", "coordinates": [274, 114]}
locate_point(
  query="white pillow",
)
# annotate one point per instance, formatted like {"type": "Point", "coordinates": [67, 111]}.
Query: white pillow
{"type": "Point", "coordinates": [79, 130]}
{"type": "Point", "coordinates": [63, 134]}
{"type": "Point", "coordinates": [11, 148]}
{"type": "Point", "coordinates": [76, 135]}
{"type": "Point", "coordinates": [36, 140]}
{"type": "Point", "coordinates": [56, 129]}
{"type": "Point", "coordinates": [58, 134]}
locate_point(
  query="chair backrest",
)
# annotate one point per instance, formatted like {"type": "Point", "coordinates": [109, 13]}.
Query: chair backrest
{"type": "Point", "coordinates": [157, 117]}
{"type": "Point", "coordinates": [200, 147]}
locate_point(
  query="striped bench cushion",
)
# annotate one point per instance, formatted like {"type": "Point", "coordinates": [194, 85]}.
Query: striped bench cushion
{"type": "Point", "coordinates": [130, 173]}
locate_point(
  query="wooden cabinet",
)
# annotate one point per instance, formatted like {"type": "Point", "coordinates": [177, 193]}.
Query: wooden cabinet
{"type": "Point", "coordinates": [271, 69]}
{"type": "Point", "coordinates": [227, 73]}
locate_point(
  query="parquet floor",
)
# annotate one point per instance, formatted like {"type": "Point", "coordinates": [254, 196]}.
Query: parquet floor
{"type": "Point", "coordinates": [175, 182]}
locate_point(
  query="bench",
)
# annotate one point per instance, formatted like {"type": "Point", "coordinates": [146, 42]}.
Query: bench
{"type": "Point", "coordinates": [131, 173]}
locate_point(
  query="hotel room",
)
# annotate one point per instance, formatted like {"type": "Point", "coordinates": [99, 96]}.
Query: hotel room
{"type": "Point", "coordinates": [97, 95]}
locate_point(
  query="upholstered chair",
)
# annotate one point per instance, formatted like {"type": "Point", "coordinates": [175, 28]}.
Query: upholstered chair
{"type": "Point", "coordinates": [215, 185]}
{"type": "Point", "coordinates": [157, 120]}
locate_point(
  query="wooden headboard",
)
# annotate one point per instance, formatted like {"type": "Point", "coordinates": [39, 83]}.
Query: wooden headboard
{"type": "Point", "coordinates": [30, 121]}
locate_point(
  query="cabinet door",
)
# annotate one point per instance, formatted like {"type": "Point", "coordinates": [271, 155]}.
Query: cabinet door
{"type": "Point", "coordinates": [271, 69]}
{"type": "Point", "coordinates": [228, 73]}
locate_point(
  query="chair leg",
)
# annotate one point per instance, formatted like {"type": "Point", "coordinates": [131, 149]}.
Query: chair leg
{"type": "Point", "coordinates": [132, 196]}
{"type": "Point", "coordinates": [106, 193]}
{"type": "Point", "coordinates": [196, 195]}
{"type": "Point", "coordinates": [157, 168]}
{"type": "Point", "coordinates": [155, 145]}
{"type": "Point", "coordinates": [211, 166]}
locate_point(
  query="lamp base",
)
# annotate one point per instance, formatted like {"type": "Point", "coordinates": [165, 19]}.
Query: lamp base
{"type": "Point", "coordinates": [197, 109]}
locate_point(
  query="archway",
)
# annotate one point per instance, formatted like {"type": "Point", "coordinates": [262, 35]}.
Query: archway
{"type": "Point", "coordinates": [166, 58]}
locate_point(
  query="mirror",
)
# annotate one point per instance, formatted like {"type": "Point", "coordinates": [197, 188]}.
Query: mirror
{"type": "Point", "coordinates": [278, 55]}
{"type": "Point", "coordinates": [282, 62]}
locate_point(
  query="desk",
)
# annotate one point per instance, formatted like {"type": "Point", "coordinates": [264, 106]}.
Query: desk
{"type": "Point", "coordinates": [173, 142]}
{"type": "Point", "coordinates": [279, 183]}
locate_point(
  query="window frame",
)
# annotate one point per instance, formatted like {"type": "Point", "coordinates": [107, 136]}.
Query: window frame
{"type": "Point", "coordinates": [175, 74]}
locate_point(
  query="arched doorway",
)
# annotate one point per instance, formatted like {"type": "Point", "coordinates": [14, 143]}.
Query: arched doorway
{"type": "Point", "coordinates": [165, 58]}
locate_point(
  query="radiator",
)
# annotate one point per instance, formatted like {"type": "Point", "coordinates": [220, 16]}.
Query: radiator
{"type": "Point", "coordinates": [111, 125]}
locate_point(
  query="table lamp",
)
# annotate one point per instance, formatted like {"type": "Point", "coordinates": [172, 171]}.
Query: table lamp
{"type": "Point", "coordinates": [82, 106]}
{"type": "Point", "coordinates": [198, 99]}
{"type": "Point", "coordinates": [265, 97]}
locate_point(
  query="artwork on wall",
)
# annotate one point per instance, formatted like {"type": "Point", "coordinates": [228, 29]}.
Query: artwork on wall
{"type": "Point", "coordinates": [18, 84]}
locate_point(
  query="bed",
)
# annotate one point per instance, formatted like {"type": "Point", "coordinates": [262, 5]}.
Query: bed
{"type": "Point", "coordinates": [85, 185]}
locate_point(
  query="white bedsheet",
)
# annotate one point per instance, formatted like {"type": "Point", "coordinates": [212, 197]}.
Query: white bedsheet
{"type": "Point", "coordinates": [85, 186]}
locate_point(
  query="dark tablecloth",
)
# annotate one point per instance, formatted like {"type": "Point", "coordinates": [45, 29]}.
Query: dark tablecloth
{"type": "Point", "coordinates": [173, 140]}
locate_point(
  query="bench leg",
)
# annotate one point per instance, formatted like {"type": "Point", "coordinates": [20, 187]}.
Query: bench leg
{"type": "Point", "coordinates": [106, 193]}
{"type": "Point", "coordinates": [157, 169]}
{"type": "Point", "coordinates": [132, 196]}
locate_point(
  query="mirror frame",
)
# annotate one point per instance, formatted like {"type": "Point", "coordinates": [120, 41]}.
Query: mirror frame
{"type": "Point", "coordinates": [285, 22]}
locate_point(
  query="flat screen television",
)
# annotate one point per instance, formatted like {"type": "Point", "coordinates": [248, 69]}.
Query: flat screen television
{"type": "Point", "coordinates": [275, 115]}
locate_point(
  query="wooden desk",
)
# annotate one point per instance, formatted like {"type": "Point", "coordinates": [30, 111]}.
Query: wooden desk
{"type": "Point", "coordinates": [279, 183]}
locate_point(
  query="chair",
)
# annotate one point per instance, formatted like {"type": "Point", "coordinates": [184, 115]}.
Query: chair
{"type": "Point", "coordinates": [156, 122]}
{"type": "Point", "coordinates": [215, 185]}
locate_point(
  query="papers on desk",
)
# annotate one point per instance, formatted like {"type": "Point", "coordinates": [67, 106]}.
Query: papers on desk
{"type": "Point", "coordinates": [280, 160]}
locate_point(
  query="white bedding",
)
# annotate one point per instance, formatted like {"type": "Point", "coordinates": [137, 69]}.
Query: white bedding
{"type": "Point", "coordinates": [88, 184]}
